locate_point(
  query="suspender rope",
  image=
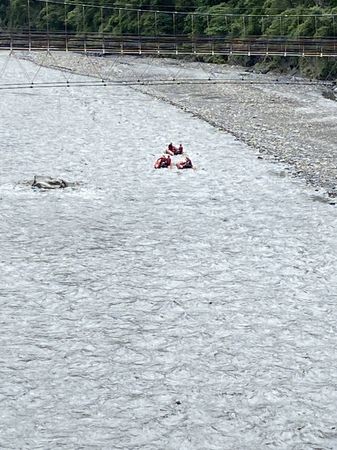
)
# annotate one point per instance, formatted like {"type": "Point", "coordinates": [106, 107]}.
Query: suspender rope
{"type": "Point", "coordinates": [83, 26]}
{"type": "Point", "coordinates": [66, 24]}
{"type": "Point", "coordinates": [138, 22]}
{"type": "Point", "coordinates": [29, 26]}
{"type": "Point", "coordinates": [102, 29]}
{"type": "Point", "coordinates": [47, 25]}
{"type": "Point", "coordinates": [155, 24]}
{"type": "Point", "coordinates": [47, 17]}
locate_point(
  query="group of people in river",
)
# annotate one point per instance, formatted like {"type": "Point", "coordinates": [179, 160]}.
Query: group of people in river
{"type": "Point", "coordinates": [165, 160]}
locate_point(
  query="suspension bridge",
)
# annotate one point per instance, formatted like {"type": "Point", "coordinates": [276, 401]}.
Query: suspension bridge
{"type": "Point", "coordinates": [191, 45]}
{"type": "Point", "coordinates": [104, 43]}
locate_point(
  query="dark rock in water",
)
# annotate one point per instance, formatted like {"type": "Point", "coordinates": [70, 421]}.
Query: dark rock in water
{"type": "Point", "coordinates": [49, 183]}
{"type": "Point", "coordinates": [320, 199]}
{"type": "Point", "coordinates": [329, 94]}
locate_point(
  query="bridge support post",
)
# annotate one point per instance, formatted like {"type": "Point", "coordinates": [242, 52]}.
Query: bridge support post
{"type": "Point", "coordinates": [103, 44]}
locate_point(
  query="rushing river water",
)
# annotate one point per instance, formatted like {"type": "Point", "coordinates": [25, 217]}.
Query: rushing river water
{"type": "Point", "coordinates": [145, 309]}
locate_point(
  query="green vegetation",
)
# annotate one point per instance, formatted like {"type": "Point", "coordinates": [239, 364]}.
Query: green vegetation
{"type": "Point", "coordinates": [233, 18]}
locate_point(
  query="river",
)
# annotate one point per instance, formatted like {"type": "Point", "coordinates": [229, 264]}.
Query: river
{"type": "Point", "coordinates": [157, 309]}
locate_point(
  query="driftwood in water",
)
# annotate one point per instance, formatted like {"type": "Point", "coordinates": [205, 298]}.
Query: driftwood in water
{"type": "Point", "coordinates": [49, 183]}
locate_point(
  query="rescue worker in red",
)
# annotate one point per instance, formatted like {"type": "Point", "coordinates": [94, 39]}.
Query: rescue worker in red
{"type": "Point", "coordinates": [185, 164]}
{"type": "Point", "coordinates": [180, 150]}
{"type": "Point", "coordinates": [163, 162]}
{"type": "Point", "coordinates": [172, 150]}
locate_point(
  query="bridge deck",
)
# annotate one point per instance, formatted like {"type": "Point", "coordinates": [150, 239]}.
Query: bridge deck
{"type": "Point", "coordinates": [167, 45]}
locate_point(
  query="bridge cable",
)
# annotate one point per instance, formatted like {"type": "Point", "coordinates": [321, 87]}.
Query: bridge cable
{"type": "Point", "coordinates": [130, 83]}
{"type": "Point", "coordinates": [4, 67]}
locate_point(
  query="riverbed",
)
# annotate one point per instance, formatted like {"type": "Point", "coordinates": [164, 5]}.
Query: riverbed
{"type": "Point", "coordinates": [157, 309]}
{"type": "Point", "coordinates": [282, 117]}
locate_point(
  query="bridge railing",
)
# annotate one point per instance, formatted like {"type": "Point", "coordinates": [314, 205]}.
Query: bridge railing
{"type": "Point", "coordinates": [166, 45]}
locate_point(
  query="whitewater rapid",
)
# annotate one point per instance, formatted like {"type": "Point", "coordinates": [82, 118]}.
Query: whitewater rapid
{"type": "Point", "coordinates": [145, 309]}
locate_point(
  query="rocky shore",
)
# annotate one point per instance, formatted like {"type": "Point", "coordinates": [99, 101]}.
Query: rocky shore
{"type": "Point", "coordinates": [291, 123]}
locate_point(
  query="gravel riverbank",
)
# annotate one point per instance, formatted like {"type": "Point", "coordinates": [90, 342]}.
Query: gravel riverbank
{"type": "Point", "coordinates": [294, 124]}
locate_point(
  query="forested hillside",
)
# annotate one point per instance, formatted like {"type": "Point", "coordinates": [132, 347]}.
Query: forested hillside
{"type": "Point", "coordinates": [234, 18]}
